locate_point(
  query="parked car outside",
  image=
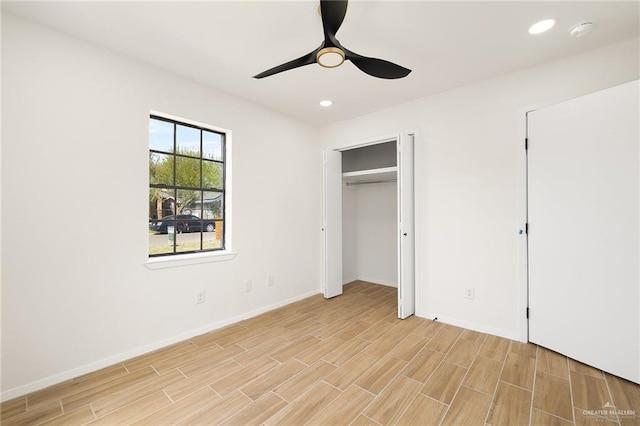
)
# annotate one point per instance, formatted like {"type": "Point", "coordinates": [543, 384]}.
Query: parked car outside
{"type": "Point", "coordinates": [183, 223]}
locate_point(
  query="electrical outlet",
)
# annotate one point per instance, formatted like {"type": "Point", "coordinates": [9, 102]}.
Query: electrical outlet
{"type": "Point", "coordinates": [248, 286]}
{"type": "Point", "coordinates": [199, 297]}
{"type": "Point", "coordinates": [469, 293]}
{"type": "Point", "coordinates": [270, 280]}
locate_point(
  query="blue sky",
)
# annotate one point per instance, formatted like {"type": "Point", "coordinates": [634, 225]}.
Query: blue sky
{"type": "Point", "coordinates": [187, 139]}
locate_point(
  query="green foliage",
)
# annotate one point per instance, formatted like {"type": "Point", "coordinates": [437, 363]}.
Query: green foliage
{"type": "Point", "coordinates": [187, 174]}
{"type": "Point", "coordinates": [187, 171]}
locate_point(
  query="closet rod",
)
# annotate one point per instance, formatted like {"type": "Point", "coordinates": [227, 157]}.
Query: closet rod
{"type": "Point", "coordinates": [370, 181]}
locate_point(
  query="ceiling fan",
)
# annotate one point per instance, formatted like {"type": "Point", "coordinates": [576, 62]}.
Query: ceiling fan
{"type": "Point", "coordinates": [331, 53]}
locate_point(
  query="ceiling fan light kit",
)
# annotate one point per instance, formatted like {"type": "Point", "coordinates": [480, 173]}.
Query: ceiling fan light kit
{"type": "Point", "coordinates": [330, 57]}
{"type": "Point", "coordinates": [332, 54]}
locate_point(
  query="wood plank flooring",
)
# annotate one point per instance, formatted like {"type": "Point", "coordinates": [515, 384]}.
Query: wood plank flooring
{"type": "Point", "coordinates": [343, 361]}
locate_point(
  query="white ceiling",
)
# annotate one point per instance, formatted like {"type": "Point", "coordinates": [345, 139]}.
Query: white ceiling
{"type": "Point", "coordinates": [446, 44]}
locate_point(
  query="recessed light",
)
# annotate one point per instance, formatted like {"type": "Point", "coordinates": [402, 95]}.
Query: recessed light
{"type": "Point", "coordinates": [542, 26]}
{"type": "Point", "coordinates": [326, 103]}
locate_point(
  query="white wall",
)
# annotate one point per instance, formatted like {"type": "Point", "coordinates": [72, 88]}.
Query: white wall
{"type": "Point", "coordinates": [369, 237]}
{"type": "Point", "coordinates": [377, 233]}
{"type": "Point", "coordinates": [75, 292]}
{"type": "Point", "coordinates": [469, 182]}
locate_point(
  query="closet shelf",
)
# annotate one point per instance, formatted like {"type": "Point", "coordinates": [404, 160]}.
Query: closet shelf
{"type": "Point", "coordinates": [370, 174]}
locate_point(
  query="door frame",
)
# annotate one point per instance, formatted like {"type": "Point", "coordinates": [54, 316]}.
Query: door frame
{"type": "Point", "coordinates": [523, 215]}
{"type": "Point", "coordinates": [389, 137]}
{"type": "Point", "coordinates": [406, 236]}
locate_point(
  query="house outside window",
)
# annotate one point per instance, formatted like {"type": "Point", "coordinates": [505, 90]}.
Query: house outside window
{"type": "Point", "coordinates": [187, 166]}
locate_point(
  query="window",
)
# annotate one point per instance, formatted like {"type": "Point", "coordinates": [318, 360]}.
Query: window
{"type": "Point", "coordinates": [186, 187]}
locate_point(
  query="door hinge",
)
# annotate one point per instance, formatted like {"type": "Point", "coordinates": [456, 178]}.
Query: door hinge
{"type": "Point", "coordinates": [527, 312]}
{"type": "Point", "coordinates": [526, 228]}
{"type": "Point", "coordinates": [526, 143]}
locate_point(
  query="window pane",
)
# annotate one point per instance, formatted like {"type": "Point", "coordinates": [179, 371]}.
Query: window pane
{"type": "Point", "coordinates": [189, 202]}
{"type": "Point", "coordinates": [188, 140]}
{"type": "Point", "coordinates": [188, 240]}
{"type": "Point", "coordinates": [160, 243]}
{"type": "Point", "coordinates": [160, 169]}
{"type": "Point", "coordinates": [211, 174]}
{"type": "Point", "coordinates": [161, 209]}
{"type": "Point", "coordinates": [212, 205]}
{"type": "Point", "coordinates": [161, 203]}
{"type": "Point", "coordinates": [212, 145]}
{"type": "Point", "coordinates": [187, 226]}
{"type": "Point", "coordinates": [160, 135]}
{"type": "Point", "coordinates": [213, 239]}
{"type": "Point", "coordinates": [187, 172]}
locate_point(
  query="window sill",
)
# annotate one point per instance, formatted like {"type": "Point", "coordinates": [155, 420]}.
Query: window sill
{"type": "Point", "coordinates": [188, 259]}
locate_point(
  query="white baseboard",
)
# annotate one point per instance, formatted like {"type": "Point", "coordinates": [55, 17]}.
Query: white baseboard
{"type": "Point", "coordinates": [375, 280]}
{"type": "Point", "coordinates": [472, 326]}
{"type": "Point", "coordinates": [115, 359]}
{"type": "Point", "coordinates": [349, 280]}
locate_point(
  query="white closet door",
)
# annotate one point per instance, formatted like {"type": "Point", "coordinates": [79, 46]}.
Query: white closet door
{"type": "Point", "coordinates": [584, 253]}
{"type": "Point", "coordinates": [406, 236]}
{"type": "Point", "coordinates": [332, 225]}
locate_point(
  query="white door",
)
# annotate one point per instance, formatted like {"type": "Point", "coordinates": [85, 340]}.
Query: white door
{"type": "Point", "coordinates": [406, 236]}
{"type": "Point", "coordinates": [583, 207]}
{"type": "Point", "coordinates": [332, 223]}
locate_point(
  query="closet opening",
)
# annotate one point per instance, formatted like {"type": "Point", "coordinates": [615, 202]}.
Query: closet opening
{"type": "Point", "coordinates": [369, 217]}
{"type": "Point", "coordinates": [370, 214]}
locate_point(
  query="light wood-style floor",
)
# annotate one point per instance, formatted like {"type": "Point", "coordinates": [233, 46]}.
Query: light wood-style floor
{"type": "Point", "coordinates": [343, 361]}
